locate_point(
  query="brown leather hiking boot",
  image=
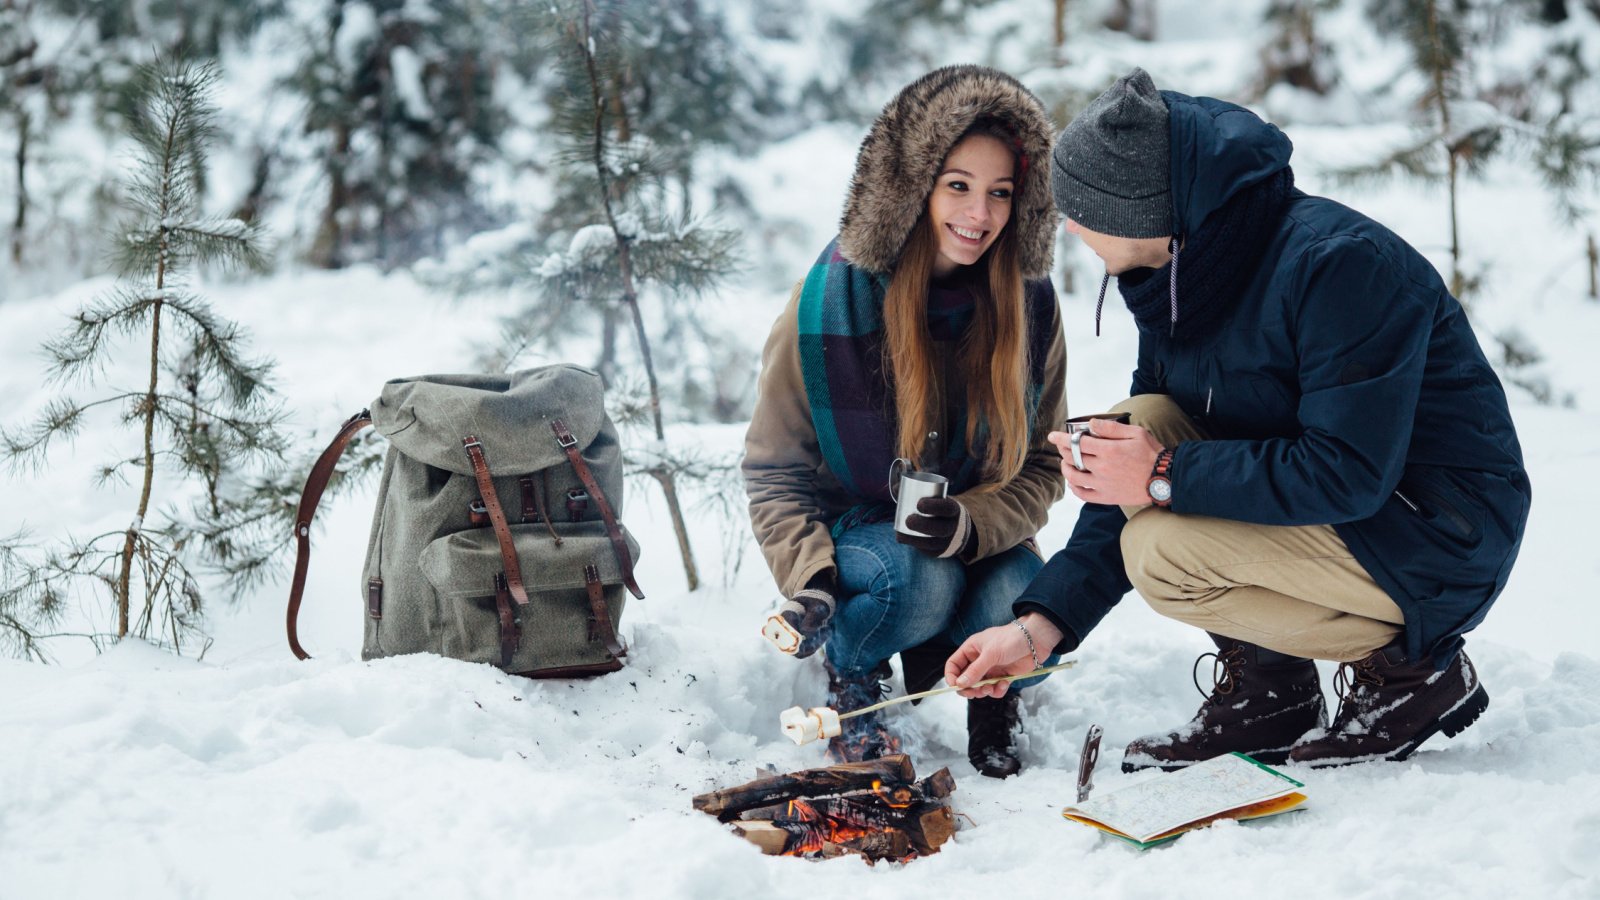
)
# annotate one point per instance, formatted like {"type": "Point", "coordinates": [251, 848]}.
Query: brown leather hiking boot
{"type": "Point", "coordinates": [1388, 707]}
{"type": "Point", "coordinates": [861, 737]}
{"type": "Point", "coordinates": [992, 724]}
{"type": "Point", "coordinates": [1261, 703]}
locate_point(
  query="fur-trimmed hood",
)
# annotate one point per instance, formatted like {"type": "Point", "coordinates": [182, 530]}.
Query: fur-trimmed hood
{"type": "Point", "coordinates": [901, 156]}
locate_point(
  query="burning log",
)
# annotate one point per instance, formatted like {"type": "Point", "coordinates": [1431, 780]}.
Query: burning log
{"type": "Point", "coordinates": [874, 809]}
{"type": "Point", "coordinates": [728, 803]}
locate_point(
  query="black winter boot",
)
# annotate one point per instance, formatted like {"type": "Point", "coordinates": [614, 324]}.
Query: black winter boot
{"type": "Point", "coordinates": [1388, 707]}
{"type": "Point", "coordinates": [992, 724]}
{"type": "Point", "coordinates": [861, 737]}
{"type": "Point", "coordinates": [1261, 703]}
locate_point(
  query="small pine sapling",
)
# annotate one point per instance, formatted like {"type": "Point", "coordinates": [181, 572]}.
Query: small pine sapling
{"type": "Point", "coordinates": [203, 411]}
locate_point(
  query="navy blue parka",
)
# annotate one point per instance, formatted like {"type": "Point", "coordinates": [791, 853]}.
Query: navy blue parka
{"type": "Point", "coordinates": [1344, 388]}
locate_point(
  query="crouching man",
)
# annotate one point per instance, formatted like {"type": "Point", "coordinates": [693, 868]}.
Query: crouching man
{"type": "Point", "coordinates": [1320, 465]}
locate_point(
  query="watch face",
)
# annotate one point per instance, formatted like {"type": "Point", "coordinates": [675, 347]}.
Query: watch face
{"type": "Point", "coordinates": [1160, 490]}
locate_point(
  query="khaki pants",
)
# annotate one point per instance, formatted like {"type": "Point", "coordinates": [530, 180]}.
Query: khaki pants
{"type": "Point", "coordinates": [1293, 589]}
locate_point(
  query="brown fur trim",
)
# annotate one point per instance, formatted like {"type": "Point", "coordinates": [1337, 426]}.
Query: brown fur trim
{"type": "Point", "coordinates": [900, 158]}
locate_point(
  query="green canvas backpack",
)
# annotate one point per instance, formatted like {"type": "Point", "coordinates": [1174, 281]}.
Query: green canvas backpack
{"type": "Point", "coordinates": [495, 537]}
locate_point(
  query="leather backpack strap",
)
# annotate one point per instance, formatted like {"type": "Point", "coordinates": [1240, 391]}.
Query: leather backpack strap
{"type": "Point", "coordinates": [510, 635]}
{"type": "Point", "coordinates": [618, 544]}
{"type": "Point", "coordinates": [316, 483]}
{"type": "Point", "coordinates": [600, 625]}
{"type": "Point", "coordinates": [497, 517]}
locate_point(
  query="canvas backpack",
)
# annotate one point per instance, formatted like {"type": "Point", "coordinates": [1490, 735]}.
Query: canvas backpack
{"type": "Point", "coordinates": [496, 537]}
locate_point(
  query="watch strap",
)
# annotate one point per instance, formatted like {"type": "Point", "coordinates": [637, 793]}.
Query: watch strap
{"type": "Point", "coordinates": [1162, 471]}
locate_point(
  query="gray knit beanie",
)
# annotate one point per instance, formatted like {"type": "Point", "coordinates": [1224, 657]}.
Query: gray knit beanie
{"type": "Point", "coordinates": [1109, 170]}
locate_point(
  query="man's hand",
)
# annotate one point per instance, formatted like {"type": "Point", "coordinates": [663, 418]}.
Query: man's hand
{"type": "Point", "coordinates": [1001, 650]}
{"type": "Point", "coordinates": [1117, 460]}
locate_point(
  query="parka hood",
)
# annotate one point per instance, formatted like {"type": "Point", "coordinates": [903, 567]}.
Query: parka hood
{"type": "Point", "coordinates": [902, 153]}
{"type": "Point", "coordinates": [1217, 149]}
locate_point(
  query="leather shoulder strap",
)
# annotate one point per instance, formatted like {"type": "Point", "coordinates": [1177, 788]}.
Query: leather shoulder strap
{"type": "Point", "coordinates": [618, 545]}
{"type": "Point", "coordinates": [321, 471]}
{"type": "Point", "coordinates": [600, 614]}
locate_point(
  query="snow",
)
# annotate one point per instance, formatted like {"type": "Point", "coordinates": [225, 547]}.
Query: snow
{"type": "Point", "coordinates": [139, 774]}
{"type": "Point", "coordinates": [407, 68]}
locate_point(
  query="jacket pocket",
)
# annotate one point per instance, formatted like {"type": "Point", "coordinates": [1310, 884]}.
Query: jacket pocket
{"type": "Point", "coordinates": [1434, 497]}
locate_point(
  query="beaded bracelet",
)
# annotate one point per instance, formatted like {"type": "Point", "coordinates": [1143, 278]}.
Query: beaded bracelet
{"type": "Point", "coordinates": [1032, 654]}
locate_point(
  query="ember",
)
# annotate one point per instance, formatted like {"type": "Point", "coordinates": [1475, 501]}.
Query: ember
{"type": "Point", "coordinates": [875, 809]}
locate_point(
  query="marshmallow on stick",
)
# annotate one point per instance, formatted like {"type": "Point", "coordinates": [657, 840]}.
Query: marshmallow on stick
{"type": "Point", "coordinates": [821, 722]}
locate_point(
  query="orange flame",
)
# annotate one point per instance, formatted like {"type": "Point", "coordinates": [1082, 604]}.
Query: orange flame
{"type": "Point", "coordinates": [815, 829]}
{"type": "Point", "coordinates": [897, 797]}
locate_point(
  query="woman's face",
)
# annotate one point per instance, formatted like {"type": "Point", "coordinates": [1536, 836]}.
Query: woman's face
{"type": "Point", "coordinates": [971, 201]}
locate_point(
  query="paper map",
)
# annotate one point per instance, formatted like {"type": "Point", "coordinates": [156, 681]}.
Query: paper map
{"type": "Point", "coordinates": [1171, 800]}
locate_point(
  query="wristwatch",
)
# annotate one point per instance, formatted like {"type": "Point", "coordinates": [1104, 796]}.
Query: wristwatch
{"type": "Point", "coordinates": [1160, 484]}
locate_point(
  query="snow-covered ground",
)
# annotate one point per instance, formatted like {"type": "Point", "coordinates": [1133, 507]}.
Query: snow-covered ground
{"type": "Point", "coordinates": [138, 774]}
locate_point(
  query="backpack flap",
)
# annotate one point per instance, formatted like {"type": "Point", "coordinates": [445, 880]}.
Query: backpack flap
{"type": "Point", "coordinates": [426, 417]}
{"type": "Point", "coordinates": [569, 585]}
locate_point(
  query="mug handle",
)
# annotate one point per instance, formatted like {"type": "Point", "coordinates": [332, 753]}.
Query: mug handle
{"type": "Point", "coordinates": [904, 465]}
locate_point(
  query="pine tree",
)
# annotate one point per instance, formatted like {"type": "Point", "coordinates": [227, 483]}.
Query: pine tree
{"type": "Point", "coordinates": [1462, 125]}
{"type": "Point", "coordinates": [1463, 122]}
{"type": "Point", "coordinates": [400, 99]}
{"type": "Point", "coordinates": [61, 59]}
{"type": "Point", "coordinates": [203, 412]}
{"type": "Point", "coordinates": [1296, 54]}
{"type": "Point", "coordinates": [631, 88]}
{"type": "Point", "coordinates": [1135, 17]}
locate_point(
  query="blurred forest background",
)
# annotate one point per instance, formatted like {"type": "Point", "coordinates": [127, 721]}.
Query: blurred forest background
{"type": "Point", "coordinates": [601, 167]}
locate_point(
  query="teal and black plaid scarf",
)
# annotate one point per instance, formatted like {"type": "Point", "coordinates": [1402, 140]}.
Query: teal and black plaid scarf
{"type": "Point", "coordinates": [852, 401]}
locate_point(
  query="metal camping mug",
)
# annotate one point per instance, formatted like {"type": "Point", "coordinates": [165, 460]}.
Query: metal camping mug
{"type": "Point", "coordinates": [909, 488]}
{"type": "Point", "coordinates": [1078, 426]}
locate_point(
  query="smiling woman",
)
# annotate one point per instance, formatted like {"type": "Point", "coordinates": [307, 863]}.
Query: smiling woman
{"type": "Point", "coordinates": [971, 201]}
{"type": "Point", "coordinates": [927, 333]}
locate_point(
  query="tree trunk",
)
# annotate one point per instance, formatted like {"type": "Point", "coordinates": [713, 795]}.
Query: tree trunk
{"type": "Point", "coordinates": [20, 223]}
{"type": "Point", "coordinates": [1594, 268]}
{"type": "Point", "coordinates": [1058, 41]}
{"type": "Point", "coordinates": [1451, 151]}
{"type": "Point", "coordinates": [630, 294]}
{"type": "Point", "coordinates": [327, 249]}
{"type": "Point", "coordinates": [680, 528]}
{"type": "Point", "coordinates": [607, 364]}
{"type": "Point", "coordinates": [124, 581]}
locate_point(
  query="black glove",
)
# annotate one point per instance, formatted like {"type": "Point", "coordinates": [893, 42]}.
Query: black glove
{"type": "Point", "coordinates": [946, 524]}
{"type": "Point", "coordinates": [800, 626]}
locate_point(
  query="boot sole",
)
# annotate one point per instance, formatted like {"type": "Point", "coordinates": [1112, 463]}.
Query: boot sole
{"type": "Point", "coordinates": [1451, 723]}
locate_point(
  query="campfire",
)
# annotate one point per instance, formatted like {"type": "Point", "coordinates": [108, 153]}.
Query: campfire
{"type": "Point", "coordinates": [875, 809]}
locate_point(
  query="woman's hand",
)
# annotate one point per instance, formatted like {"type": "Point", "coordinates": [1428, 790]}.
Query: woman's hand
{"type": "Point", "coordinates": [1001, 650]}
{"type": "Point", "coordinates": [1117, 461]}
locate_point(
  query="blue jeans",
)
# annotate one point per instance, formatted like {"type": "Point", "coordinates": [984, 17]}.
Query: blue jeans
{"type": "Point", "coordinates": [893, 598]}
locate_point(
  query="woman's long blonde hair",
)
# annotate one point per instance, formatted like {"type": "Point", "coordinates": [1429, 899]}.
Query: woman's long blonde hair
{"type": "Point", "coordinates": [993, 356]}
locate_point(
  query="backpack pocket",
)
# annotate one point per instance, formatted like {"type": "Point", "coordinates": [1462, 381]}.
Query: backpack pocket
{"type": "Point", "coordinates": [557, 631]}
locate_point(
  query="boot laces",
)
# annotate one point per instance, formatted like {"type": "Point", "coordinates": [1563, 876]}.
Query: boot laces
{"type": "Point", "coordinates": [1226, 667]}
{"type": "Point", "coordinates": [1348, 682]}
{"type": "Point", "coordinates": [854, 693]}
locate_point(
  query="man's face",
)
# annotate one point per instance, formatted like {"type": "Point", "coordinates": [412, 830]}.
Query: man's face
{"type": "Point", "coordinates": [1121, 254]}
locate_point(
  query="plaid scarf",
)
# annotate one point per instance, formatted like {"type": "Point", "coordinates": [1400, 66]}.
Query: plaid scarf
{"type": "Point", "coordinates": [849, 390]}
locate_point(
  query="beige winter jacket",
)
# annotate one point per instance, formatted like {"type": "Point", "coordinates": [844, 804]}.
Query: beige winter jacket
{"type": "Point", "coordinates": [794, 498]}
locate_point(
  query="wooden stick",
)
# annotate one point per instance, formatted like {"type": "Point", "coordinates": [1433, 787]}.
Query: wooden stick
{"type": "Point", "coordinates": [948, 688]}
